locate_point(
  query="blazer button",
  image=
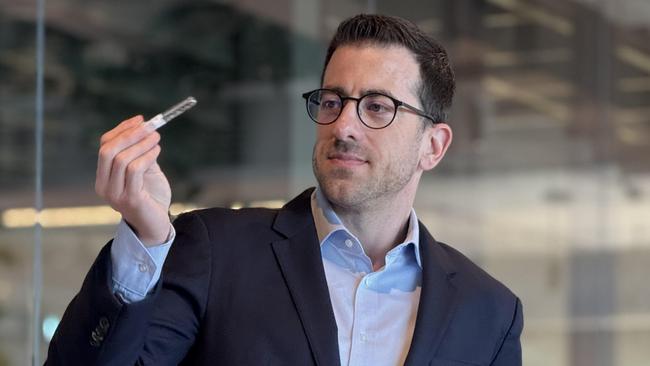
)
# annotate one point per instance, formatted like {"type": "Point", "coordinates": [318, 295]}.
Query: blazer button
{"type": "Point", "coordinates": [97, 335]}
{"type": "Point", "coordinates": [96, 339]}
{"type": "Point", "coordinates": [104, 324]}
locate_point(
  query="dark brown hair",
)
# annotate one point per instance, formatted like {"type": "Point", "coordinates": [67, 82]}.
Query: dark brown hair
{"type": "Point", "coordinates": [437, 84]}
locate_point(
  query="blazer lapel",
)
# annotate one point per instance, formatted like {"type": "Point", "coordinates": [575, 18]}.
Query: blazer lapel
{"type": "Point", "coordinates": [438, 299]}
{"type": "Point", "coordinates": [301, 263]}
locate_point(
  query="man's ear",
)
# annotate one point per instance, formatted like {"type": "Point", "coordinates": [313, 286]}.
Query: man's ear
{"type": "Point", "coordinates": [435, 142]}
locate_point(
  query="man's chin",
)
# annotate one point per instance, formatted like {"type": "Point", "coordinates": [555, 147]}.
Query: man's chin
{"type": "Point", "coordinates": [341, 186]}
{"type": "Point", "coordinates": [343, 193]}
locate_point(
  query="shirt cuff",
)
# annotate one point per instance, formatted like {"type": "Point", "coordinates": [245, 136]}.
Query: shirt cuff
{"type": "Point", "coordinates": [136, 267]}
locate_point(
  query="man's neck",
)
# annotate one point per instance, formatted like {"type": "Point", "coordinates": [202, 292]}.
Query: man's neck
{"type": "Point", "coordinates": [379, 226]}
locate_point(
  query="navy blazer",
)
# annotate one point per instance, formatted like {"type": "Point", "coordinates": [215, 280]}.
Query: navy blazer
{"type": "Point", "coordinates": [247, 287]}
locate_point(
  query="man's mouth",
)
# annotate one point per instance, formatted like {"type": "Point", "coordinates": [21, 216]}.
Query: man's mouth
{"type": "Point", "coordinates": [346, 159]}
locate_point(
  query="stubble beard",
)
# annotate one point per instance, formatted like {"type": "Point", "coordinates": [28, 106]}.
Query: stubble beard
{"type": "Point", "coordinates": [347, 191]}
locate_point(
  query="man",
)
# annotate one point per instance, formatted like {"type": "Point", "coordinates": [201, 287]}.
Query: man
{"type": "Point", "coordinates": [344, 274]}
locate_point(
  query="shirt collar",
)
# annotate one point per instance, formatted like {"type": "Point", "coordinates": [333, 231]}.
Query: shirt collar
{"type": "Point", "coordinates": [327, 223]}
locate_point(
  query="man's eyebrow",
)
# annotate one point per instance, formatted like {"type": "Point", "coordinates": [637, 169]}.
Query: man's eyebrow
{"type": "Point", "coordinates": [377, 91]}
{"type": "Point", "coordinates": [342, 91]}
{"type": "Point", "coordinates": [337, 89]}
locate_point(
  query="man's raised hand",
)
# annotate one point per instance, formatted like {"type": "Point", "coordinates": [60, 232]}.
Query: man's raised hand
{"type": "Point", "coordinates": [130, 180]}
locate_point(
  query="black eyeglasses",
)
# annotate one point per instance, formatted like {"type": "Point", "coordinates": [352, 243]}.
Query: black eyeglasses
{"type": "Point", "coordinates": [375, 110]}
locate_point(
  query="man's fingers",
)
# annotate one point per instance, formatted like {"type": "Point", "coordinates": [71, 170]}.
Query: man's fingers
{"type": "Point", "coordinates": [118, 165]}
{"type": "Point", "coordinates": [124, 125]}
{"type": "Point", "coordinates": [136, 170]}
{"type": "Point", "coordinates": [127, 137]}
{"type": "Point", "coordinates": [104, 158]}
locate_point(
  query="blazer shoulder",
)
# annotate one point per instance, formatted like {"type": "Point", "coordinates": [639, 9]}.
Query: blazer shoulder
{"type": "Point", "coordinates": [218, 220]}
{"type": "Point", "coordinates": [474, 279]}
{"type": "Point", "coordinates": [251, 214]}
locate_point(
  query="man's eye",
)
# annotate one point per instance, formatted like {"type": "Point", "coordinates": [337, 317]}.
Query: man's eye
{"type": "Point", "coordinates": [377, 108]}
{"type": "Point", "coordinates": [330, 104]}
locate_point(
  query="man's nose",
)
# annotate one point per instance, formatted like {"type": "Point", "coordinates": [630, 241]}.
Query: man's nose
{"type": "Point", "coordinates": [348, 125]}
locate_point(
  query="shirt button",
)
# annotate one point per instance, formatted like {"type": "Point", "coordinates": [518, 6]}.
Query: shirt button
{"type": "Point", "coordinates": [348, 243]}
{"type": "Point", "coordinates": [143, 267]}
{"type": "Point", "coordinates": [364, 337]}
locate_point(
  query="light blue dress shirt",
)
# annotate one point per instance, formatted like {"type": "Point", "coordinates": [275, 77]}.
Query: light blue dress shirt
{"type": "Point", "coordinates": [375, 311]}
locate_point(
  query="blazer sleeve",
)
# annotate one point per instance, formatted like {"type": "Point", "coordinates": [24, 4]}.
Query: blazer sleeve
{"type": "Point", "coordinates": [510, 352]}
{"type": "Point", "coordinates": [97, 328]}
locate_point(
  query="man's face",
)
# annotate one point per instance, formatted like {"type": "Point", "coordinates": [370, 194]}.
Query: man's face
{"type": "Point", "coordinates": [356, 165]}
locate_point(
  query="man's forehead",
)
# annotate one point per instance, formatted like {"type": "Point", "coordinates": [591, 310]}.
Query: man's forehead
{"type": "Point", "coordinates": [367, 68]}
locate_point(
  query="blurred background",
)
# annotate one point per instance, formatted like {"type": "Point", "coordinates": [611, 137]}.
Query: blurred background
{"type": "Point", "coordinates": [547, 184]}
